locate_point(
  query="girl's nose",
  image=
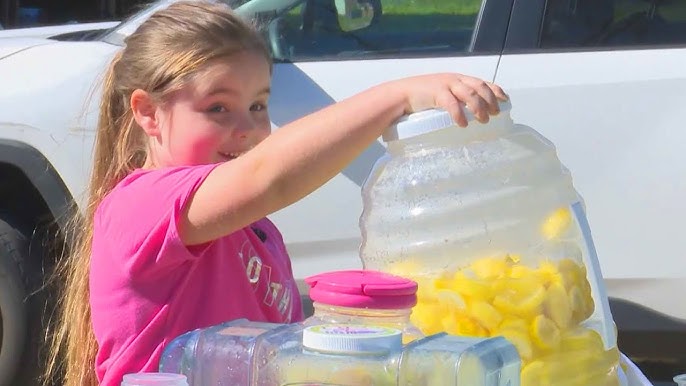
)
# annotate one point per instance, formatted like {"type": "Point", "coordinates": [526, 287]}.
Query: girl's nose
{"type": "Point", "coordinates": [244, 126]}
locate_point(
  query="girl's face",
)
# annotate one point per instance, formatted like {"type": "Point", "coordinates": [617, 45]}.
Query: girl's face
{"type": "Point", "coordinates": [217, 117]}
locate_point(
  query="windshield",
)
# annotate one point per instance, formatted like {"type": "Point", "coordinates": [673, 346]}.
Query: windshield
{"type": "Point", "coordinates": [245, 8]}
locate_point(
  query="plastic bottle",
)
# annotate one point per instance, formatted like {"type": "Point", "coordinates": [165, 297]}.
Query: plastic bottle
{"type": "Point", "coordinates": [342, 354]}
{"type": "Point", "coordinates": [364, 355]}
{"type": "Point", "coordinates": [487, 221]}
{"type": "Point", "coordinates": [217, 355]}
{"type": "Point", "coordinates": [243, 353]}
{"type": "Point", "coordinates": [364, 297]}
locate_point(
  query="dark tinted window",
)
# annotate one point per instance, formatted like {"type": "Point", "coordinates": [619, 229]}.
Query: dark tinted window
{"type": "Point", "coordinates": [613, 23]}
{"type": "Point", "coordinates": [351, 29]}
{"type": "Point", "coordinates": [37, 13]}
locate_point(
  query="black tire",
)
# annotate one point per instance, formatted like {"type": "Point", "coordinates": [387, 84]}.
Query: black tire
{"type": "Point", "coordinates": [14, 248]}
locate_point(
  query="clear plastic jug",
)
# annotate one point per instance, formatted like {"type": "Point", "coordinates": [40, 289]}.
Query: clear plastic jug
{"type": "Point", "coordinates": [257, 354]}
{"type": "Point", "coordinates": [486, 220]}
{"type": "Point", "coordinates": [364, 297]}
{"type": "Point", "coordinates": [220, 355]}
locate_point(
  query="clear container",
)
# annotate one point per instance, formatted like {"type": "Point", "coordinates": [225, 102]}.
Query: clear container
{"type": "Point", "coordinates": [486, 220]}
{"type": "Point", "coordinates": [364, 297]}
{"type": "Point", "coordinates": [218, 355]}
{"type": "Point", "coordinates": [154, 379]}
{"type": "Point", "coordinates": [363, 355]}
{"type": "Point", "coordinates": [443, 359]}
{"type": "Point", "coordinates": [255, 354]}
{"type": "Point", "coordinates": [335, 354]}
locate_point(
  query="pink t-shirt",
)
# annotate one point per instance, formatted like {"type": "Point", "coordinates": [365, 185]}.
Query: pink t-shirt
{"type": "Point", "coordinates": [146, 287]}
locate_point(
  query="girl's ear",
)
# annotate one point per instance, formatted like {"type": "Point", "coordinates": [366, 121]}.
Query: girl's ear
{"type": "Point", "coordinates": [145, 112]}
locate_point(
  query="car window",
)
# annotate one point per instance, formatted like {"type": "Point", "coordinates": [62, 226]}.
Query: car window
{"type": "Point", "coordinates": [40, 13]}
{"type": "Point", "coordinates": [613, 23]}
{"type": "Point", "coordinates": [250, 9]}
{"type": "Point", "coordinates": [354, 29]}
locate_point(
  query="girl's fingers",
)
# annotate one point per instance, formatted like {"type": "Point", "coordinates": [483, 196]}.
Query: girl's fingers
{"type": "Point", "coordinates": [455, 92]}
{"type": "Point", "coordinates": [486, 92]}
{"type": "Point", "coordinates": [499, 92]}
{"type": "Point", "coordinates": [447, 101]}
{"type": "Point", "coordinates": [471, 97]}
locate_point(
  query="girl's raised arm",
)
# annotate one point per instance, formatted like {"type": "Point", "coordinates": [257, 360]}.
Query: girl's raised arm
{"type": "Point", "coordinates": [302, 156]}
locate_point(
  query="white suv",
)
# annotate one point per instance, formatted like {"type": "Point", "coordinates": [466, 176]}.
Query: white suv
{"type": "Point", "coordinates": [603, 79]}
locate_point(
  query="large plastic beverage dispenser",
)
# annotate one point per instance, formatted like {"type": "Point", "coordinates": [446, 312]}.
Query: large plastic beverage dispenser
{"type": "Point", "coordinates": [486, 220]}
{"type": "Point", "coordinates": [243, 353]}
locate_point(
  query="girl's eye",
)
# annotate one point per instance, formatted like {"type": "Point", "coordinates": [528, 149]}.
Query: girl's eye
{"type": "Point", "coordinates": [258, 107]}
{"type": "Point", "coordinates": [217, 109]}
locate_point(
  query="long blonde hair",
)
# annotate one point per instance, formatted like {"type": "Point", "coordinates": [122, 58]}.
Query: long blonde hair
{"type": "Point", "coordinates": [166, 52]}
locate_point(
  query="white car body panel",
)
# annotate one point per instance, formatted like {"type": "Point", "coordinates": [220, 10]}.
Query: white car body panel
{"type": "Point", "coordinates": [12, 46]}
{"type": "Point", "coordinates": [631, 177]}
{"type": "Point", "coordinates": [31, 113]}
{"type": "Point", "coordinates": [638, 162]}
{"type": "Point", "coordinates": [46, 32]}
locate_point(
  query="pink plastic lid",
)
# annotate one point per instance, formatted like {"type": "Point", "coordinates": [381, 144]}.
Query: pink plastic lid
{"type": "Point", "coordinates": [363, 289]}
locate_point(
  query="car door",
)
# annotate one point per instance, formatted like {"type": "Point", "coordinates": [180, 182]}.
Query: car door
{"type": "Point", "coordinates": [605, 81]}
{"type": "Point", "coordinates": [322, 57]}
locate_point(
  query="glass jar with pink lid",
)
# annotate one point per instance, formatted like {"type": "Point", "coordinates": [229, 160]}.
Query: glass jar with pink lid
{"type": "Point", "coordinates": [364, 297]}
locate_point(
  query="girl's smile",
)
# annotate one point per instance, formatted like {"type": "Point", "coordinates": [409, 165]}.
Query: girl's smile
{"type": "Point", "coordinates": [217, 117]}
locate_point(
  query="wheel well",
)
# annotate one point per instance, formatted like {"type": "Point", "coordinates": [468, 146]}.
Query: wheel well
{"type": "Point", "coordinates": [20, 199]}
{"type": "Point", "coordinates": [24, 207]}
{"type": "Point", "coordinates": [22, 204]}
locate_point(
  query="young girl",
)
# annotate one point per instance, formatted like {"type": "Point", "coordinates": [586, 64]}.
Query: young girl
{"type": "Point", "coordinates": [175, 236]}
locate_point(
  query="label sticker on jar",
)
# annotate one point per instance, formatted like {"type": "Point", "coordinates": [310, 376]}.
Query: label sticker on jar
{"type": "Point", "coordinates": [352, 329]}
{"type": "Point", "coordinates": [352, 338]}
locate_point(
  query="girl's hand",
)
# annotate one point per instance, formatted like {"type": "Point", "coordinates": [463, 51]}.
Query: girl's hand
{"type": "Point", "coordinates": [451, 92]}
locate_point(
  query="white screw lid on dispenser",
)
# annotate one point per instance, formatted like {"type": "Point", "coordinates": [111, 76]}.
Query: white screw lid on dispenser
{"type": "Point", "coordinates": [426, 121]}
{"type": "Point", "coordinates": [154, 379]}
{"type": "Point", "coordinates": [352, 339]}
